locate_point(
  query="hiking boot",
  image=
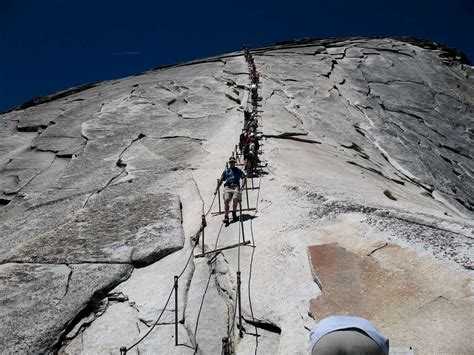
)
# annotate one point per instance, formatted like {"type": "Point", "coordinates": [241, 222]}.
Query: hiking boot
{"type": "Point", "coordinates": [226, 220]}
{"type": "Point", "coordinates": [234, 216]}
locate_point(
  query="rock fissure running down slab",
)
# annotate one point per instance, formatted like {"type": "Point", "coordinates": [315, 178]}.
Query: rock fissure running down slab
{"type": "Point", "coordinates": [369, 152]}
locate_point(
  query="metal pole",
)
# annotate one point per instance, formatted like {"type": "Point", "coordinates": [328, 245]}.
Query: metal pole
{"type": "Point", "coordinates": [176, 310]}
{"type": "Point", "coordinates": [203, 226]}
{"type": "Point", "coordinates": [203, 238]}
{"type": "Point", "coordinates": [123, 350]}
{"type": "Point", "coordinates": [219, 196]}
{"type": "Point", "coordinates": [241, 333]}
{"type": "Point", "coordinates": [241, 222]}
{"type": "Point", "coordinates": [225, 346]}
{"type": "Point", "coordinates": [247, 194]}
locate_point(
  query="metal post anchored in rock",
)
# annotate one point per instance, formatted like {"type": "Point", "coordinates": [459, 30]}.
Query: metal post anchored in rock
{"type": "Point", "coordinates": [203, 226]}
{"type": "Point", "coordinates": [247, 194]}
{"type": "Point", "coordinates": [225, 346]}
{"type": "Point", "coordinates": [176, 309]}
{"type": "Point", "coordinates": [237, 153]}
{"type": "Point", "coordinates": [241, 332]}
{"type": "Point", "coordinates": [241, 222]}
{"type": "Point", "coordinates": [123, 350]}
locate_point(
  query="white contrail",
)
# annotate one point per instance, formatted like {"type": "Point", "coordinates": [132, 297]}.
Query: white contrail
{"type": "Point", "coordinates": [126, 53]}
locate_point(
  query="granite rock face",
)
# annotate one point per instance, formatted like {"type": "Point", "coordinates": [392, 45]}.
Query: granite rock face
{"type": "Point", "coordinates": [40, 301]}
{"type": "Point", "coordinates": [369, 150]}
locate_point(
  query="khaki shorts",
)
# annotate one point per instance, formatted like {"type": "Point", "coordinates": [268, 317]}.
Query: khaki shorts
{"type": "Point", "coordinates": [230, 193]}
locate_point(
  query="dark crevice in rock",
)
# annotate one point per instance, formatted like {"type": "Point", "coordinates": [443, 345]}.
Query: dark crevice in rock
{"type": "Point", "coordinates": [300, 121]}
{"type": "Point", "coordinates": [389, 195]}
{"type": "Point", "coordinates": [234, 73]}
{"type": "Point", "coordinates": [68, 281]}
{"type": "Point", "coordinates": [48, 203]}
{"type": "Point", "coordinates": [121, 165]}
{"type": "Point", "coordinates": [380, 49]}
{"type": "Point", "coordinates": [117, 297]}
{"type": "Point", "coordinates": [340, 56]}
{"type": "Point", "coordinates": [31, 179]}
{"type": "Point", "coordinates": [233, 98]}
{"type": "Point", "coordinates": [454, 150]}
{"type": "Point", "coordinates": [388, 82]}
{"type": "Point", "coordinates": [269, 327]}
{"type": "Point", "coordinates": [84, 136]}
{"type": "Point", "coordinates": [418, 118]}
{"type": "Point", "coordinates": [357, 148]}
{"type": "Point", "coordinates": [399, 182]}
{"type": "Point", "coordinates": [397, 125]}
{"type": "Point", "coordinates": [378, 172]}
{"type": "Point", "coordinates": [173, 137]}
{"type": "Point", "coordinates": [446, 159]}
{"type": "Point", "coordinates": [335, 88]}
{"type": "Point", "coordinates": [93, 306]}
{"type": "Point", "coordinates": [328, 74]}
{"type": "Point", "coordinates": [4, 202]}
{"type": "Point", "coordinates": [439, 298]}
{"type": "Point", "coordinates": [83, 324]}
{"type": "Point", "coordinates": [292, 136]}
{"type": "Point", "coordinates": [359, 130]}
{"type": "Point", "coordinates": [271, 94]}
{"type": "Point", "coordinates": [34, 128]}
{"type": "Point", "coordinates": [467, 204]}
{"type": "Point", "coordinates": [376, 249]}
{"type": "Point", "coordinates": [154, 256]}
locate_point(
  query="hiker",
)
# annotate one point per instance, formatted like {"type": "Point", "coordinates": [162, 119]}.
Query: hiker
{"type": "Point", "coordinates": [250, 154]}
{"type": "Point", "coordinates": [247, 115]}
{"type": "Point", "coordinates": [242, 140]}
{"type": "Point", "coordinates": [347, 335]}
{"type": "Point", "coordinates": [232, 186]}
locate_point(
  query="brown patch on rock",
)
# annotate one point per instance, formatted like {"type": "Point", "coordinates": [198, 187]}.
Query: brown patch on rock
{"type": "Point", "coordinates": [412, 299]}
{"type": "Point", "coordinates": [354, 284]}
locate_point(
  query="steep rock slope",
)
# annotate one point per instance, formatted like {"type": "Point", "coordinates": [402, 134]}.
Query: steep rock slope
{"type": "Point", "coordinates": [369, 151]}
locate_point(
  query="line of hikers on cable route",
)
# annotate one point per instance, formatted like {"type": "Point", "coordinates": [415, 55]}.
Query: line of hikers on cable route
{"type": "Point", "coordinates": [233, 178]}
{"type": "Point", "coordinates": [332, 335]}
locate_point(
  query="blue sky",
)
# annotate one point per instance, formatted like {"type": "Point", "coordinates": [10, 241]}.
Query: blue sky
{"type": "Point", "coordinates": [50, 45]}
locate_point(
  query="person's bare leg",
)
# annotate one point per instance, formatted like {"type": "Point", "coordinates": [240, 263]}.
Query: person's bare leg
{"type": "Point", "coordinates": [226, 208]}
{"type": "Point", "coordinates": [235, 202]}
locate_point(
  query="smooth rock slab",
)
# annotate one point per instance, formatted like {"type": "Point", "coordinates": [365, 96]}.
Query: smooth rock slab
{"type": "Point", "coordinates": [39, 302]}
{"type": "Point", "coordinates": [137, 230]}
{"type": "Point", "coordinates": [119, 327]}
{"type": "Point", "coordinates": [214, 314]}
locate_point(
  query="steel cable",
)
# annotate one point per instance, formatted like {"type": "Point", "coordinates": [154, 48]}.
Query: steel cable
{"type": "Point", "coordinates": [205, 291]}
{"type": "Point", "coordinates": [251, 266]}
